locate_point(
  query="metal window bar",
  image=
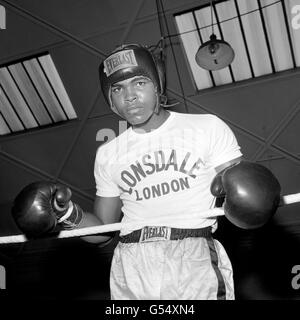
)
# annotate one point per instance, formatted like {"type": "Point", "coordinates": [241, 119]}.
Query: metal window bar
{"type": "Point", "coordinates": [204, 21]}
{"type": "Point", "coordinates": [244, 38]}
{"type": "Point", "coordinates": [22, 99]}
{"type": "Point", "coordinates": [41, 83]}
{"type": "Point", "coordinates": [191, 43]}
{"type": "Point", "coordinates": [201, 41]}
{"type": "Point", "coordinates": [288, 33]}
{"type": "Point", "coordinates": [4, 126]}
{"type": "Point", "coordinates": [15, 100]}
{"type": "Point", "coordinates": [231, 30]}
{"type": "Point", "coordinates": [39, 97]}
{"type": "Point", "coordinates": [277, 35]}
{"type": "Point", "coordinates": [295, 34]}
{"type": "Point", "coordinates": [9, 112]}
{"type": "Point", "coordinates": [49, 68]}
{"type": "Point", "coordinates": [222, 37]}
{"type": "Point", "coordinates": [266, 35]}
{"type": "Point", "coordinates": [255, 37]}
{"type": "Point", "coordinates": [51, 89]}
{"type": "Point", "coordinates": [260, 31]}
{"type": "Point", "coordinates": [32, 95]}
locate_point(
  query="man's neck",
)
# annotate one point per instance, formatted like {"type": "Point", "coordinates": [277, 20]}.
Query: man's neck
{"type": "Point", "coordinates": [154, 122]}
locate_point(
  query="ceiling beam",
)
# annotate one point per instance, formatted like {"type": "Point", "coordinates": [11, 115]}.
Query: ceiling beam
{"type": "Point", "coordinates": [76, 137]}
{"type": "Point", "coordinates": [65, 42]}
{"type": "Point", "coordinates": [53, 128]}
{"type": "Point", "coordinates": [288, 155]}
{"type": "Point", "coordinates": [38, 131]}
{"type": "Point", "coordinates": [89, 110]}
{"type": "Point", "coordinates": [272, 158]}
{"type": "Point", "coordinates": [52, 28]}
{"type": "Point", "coordinates": [131, 22]}
{"type": "Point", "coordinates": [159, 3]}
{"type": "Point", "coordinates": [43, 175]}
{"type": "Point", "coordinates": [248, 83]}
{"type": "Point", "coordinates": [32, 52]}
{"type": "Point", "coordinates": [86, 46]}
{"type": "Point", "coordinates": [281, 126]}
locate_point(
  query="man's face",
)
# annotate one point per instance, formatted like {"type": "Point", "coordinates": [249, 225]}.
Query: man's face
{"type": "Point", "coordinates": [134, 99]}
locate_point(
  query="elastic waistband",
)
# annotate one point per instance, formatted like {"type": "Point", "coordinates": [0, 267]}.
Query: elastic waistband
{"type": "Point", "coordinates": [161, 233]}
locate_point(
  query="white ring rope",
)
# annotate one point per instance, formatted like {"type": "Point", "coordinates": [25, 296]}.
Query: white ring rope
{"type": "Point", "coordinates": [88, 231]}
{"type": "Point", "coordinates": [159, 221]}
{"type": "Point", "coordinates": [289, 199]}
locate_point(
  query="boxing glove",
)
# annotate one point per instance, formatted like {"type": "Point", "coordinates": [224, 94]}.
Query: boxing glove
{"type": "Point", "coordinates": [43, 207]}
{"type": "Point", "coordinates": [251, 194]}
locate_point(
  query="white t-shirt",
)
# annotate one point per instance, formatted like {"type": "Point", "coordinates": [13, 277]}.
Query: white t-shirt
{"type": "Point", "coordinates": [166, 172]}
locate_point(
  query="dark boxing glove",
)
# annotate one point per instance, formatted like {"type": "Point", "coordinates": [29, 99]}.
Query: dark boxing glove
{"type": "Point", "coordinates": [43, 207]}
{"type": "Point", "coordinates": [251, 194]}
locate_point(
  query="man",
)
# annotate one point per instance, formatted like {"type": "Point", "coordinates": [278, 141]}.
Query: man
{"type": "Point", "coordinates": [164, 165]}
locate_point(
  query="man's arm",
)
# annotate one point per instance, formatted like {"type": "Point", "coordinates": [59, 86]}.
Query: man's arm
{"type": "Point", "coordinates": [216, 186]}
{"type": "Point", "coordinates": [250, 191]}
{"type": "Point", "coordinates": [44, 207]}
{"type": "Point", "coordinates": [228, 164]}
{"type": "Point", "coordinates": [106, 210]}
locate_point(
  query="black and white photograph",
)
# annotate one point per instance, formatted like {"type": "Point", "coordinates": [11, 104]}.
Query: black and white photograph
{"type": "Point", "coordinates": [149, 151]}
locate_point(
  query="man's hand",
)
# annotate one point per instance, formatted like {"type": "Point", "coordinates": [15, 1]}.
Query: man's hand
{"type": "Point", "coordinates": [251, 191]}
{"type": "Point", "coordinates": [42, 206]}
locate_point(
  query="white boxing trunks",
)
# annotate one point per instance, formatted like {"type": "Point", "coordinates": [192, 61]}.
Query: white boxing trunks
{"type": "Point", "coordinates": [149, 265]}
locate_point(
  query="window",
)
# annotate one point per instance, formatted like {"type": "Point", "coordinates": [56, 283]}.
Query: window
{"type": "Point", "coordinates": [32, 95]}
{"type": "Point", "coordinates": [259, 31]}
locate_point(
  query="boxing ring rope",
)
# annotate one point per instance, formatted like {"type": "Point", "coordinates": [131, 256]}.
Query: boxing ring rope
{"type": "Point", "coordinates": [289, 199]}
{"type": "Point", "coordinates": [88, 231]}
{"type": "Point", "coordinates": [158, 221]}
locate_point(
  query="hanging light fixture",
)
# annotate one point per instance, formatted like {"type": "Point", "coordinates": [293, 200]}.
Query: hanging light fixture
{"type": "Point", "coordinates": [214, 54]}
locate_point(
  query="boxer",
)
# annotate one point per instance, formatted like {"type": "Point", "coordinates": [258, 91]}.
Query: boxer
{"type": "Point", "coordinates": [166, 164]}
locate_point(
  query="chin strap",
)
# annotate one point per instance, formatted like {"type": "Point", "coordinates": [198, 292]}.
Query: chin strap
{"type": "Point", "coordinates": [163, 102]}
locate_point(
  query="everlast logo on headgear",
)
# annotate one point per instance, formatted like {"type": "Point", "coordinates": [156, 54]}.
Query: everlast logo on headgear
{"type": "Point", "coordinates": [119, 60]}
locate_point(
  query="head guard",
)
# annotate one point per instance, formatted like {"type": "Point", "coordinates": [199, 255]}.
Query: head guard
{"type": "Point", "coordinates": [128, 61]}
